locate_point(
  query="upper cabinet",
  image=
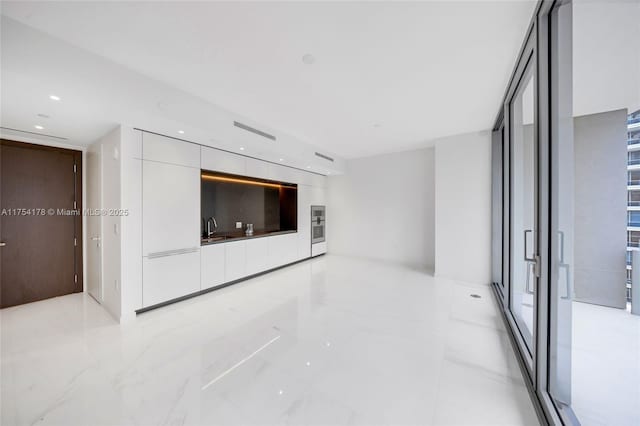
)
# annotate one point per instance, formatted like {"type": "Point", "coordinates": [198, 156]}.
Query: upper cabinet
{"type": "Point", "coordinates": [261, 169]}
{"type": "Point", "coordinates": [318, 181]}
{"type": "Point", "coordinates": [227, 162]}
{"type": "Point", "coordinates": [168, 150]}
{"type": "Point", "coordinates": [170, 207]}
{"type": "Point", "coordinates": [222, 161]}
{"type": "Point", "coordinates": [317, 196]}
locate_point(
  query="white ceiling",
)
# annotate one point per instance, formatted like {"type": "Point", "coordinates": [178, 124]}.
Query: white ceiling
{"type": "Point", "coordinates": [98, 94]}
{"type": "Point", "coordinates": [388, 76]}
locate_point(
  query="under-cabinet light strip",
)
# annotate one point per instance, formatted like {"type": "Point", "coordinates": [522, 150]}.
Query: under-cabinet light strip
{"type": "Point", "coordinates": [251, 182]}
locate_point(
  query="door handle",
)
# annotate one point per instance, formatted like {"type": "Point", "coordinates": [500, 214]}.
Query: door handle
{"type": "Point", "coordinates": [528, 259]}
{"type": "Point", "coordinates": [565, 266]}
{"type": "Point", "coordinates": [528, 280]}
{"type": "Point", "coordinates": [172, 252]}
{"type": "Point", "coordinates": [3, 244]}
{"type": "Point", "coordinates": [95, 238]}
{"type": "Point", "coordinates": [532, 263]}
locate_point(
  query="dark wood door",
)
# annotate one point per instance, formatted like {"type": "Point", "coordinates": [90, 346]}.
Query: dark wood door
{"type": "Point", "coordinates": [40, 222]}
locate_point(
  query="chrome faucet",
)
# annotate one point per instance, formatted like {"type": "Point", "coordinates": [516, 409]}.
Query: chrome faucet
{"type": "Point", "coordinates": [211, 221]}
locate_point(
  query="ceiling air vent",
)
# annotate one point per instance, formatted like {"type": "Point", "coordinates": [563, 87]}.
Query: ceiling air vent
{"type": "Point", "coordinates": [253, 130]}
{"type": "Point", "coordinates": [11, 131]}
{"type": "Point", "coordinates": [326, 157]}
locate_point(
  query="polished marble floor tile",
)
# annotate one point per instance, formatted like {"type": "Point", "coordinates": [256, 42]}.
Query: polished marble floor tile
{"type": "Point", "coordinates": [330, 341]}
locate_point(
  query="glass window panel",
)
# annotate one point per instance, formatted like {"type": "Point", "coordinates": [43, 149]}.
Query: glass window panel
{"type": "Point", "coordinates": [523, 207]}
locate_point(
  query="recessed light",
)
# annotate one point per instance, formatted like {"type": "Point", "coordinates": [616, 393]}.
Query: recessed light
{"type": "Point", "coordinates": [181, 132]}
{"type": "Point", "coordinates": [282, 159]}
{"type": "Point", "coordinates": [309, 59]}
{"type": "Point", "coordinates": [54, 97]}
{"type": "Point", "coordinates": [242, 148]}
{"type": "Point", "coordinates": [308, 167]}
{"type": "Point", "coordinates": [39, 127]}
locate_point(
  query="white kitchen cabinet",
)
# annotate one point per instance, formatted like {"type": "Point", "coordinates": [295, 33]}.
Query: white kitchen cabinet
{"type": "Point", "coordinates": [285, 174]}
{"type": "Point", "coordinates": [168, 277]}
{"type": "Point", "coordinates": [305, 178]}
{"type": "Point", "coordinates": [304, 221]}
{"type": "Point", "coordinates": [260, 169]}
{"type": "Point", "coordinates": [317, 196]}
{"type": "Point", "coordinates": [276, 251]}
{"type": "Point", "coordinates": [170, 207]}
{"type": "Point", "coordinates": [304, 244]}
{"type": "Point", "coordinates": [257, 253]}
{"type": "Point", "coordinates": [318, 249]}
{"type": "Point", "coordinates": [212, 266]}
{"type": "Point", "coordinates": [132, 143]}
{"type": "Point", "coordinates": [222, 161]}
{"type": "Point", "coordinates": [283, 249]}
{"type": "Point", "coordinates": [290, 248]}
{"type": "Point", "coordinates": [235, 261]}
{"type": "Point", "coordinates": [167, 150]}
{"type": "Point", "coordinates": [318, 181]}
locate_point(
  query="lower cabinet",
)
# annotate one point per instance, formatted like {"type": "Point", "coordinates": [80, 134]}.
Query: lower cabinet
{"type": "Point", "coordinates": [168, 277]}
{"type": "Point", "coordinates": [276, 250]}
{"type": "Point", "coordinates": [304, 244]}
{"type": "Point", "coordinates": [283, 249]}
{"type": "Point", "coordinates": [318, 249]}
{"type": "Point", "coordinates": [257, 252]}
{"type": "Point", "coordinates": [235, 260]}
{"type": "Point", "coordinates": [290, 248]}
{"type": "Point", "coordinates": [212, 266]}
{"type": "Point", "coordinates": [304, 221]}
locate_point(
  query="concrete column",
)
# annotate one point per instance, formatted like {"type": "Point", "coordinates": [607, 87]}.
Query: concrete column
{"type": "Point", "coordinates": [635, 282]}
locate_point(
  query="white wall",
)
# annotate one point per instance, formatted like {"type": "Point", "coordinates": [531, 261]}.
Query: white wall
{"type": "Point", "coordinates": [463, 207]}
{"type": "Point", "coordinates": [383, 208]}
{"type": "Point", "coordinates": [131, 201]}
{"type": "Point", "coordinates": [121, 234]}
{"type": "Point", "coordinates": [111, 225]}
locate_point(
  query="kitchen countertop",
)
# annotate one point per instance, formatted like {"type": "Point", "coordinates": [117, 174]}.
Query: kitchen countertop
{"type": "Point", "coordinates": [237, 236]}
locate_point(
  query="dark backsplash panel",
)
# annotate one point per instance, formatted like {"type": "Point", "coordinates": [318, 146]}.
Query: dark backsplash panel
{"type": "Point", "coordinates": [268, 208]}
{"type": "Point", "coordinates": [288, 208]}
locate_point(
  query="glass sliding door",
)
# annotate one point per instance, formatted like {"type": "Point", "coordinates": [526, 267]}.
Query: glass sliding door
{"type": "Point", "coordinates": [498, 204]}
{"type": "Point", "coordinates": [570, 212]}
{"type": "Point", "coordinates": [562, 202]}
{"type": "Point", "coordinates": [524, 207]}
{"type": "Point", "coordinates": [593, 352]}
